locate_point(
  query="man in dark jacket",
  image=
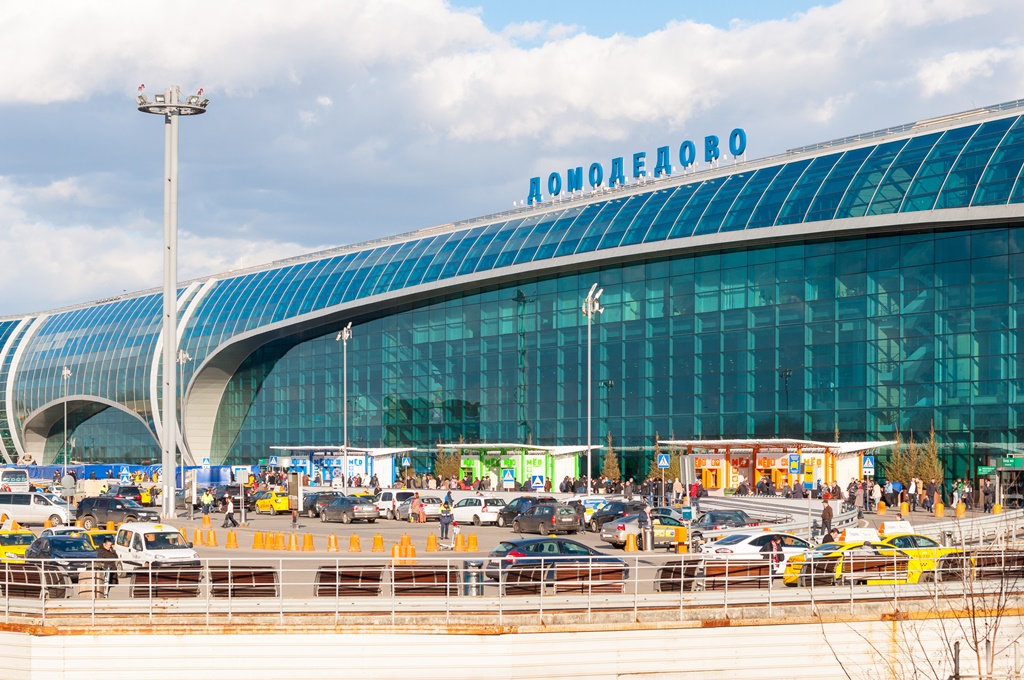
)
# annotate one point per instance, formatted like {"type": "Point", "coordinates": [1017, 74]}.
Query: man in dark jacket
{"type": "Point", "coordinates": [107, 560]}
{"type": "Point", "coordinates": [826, 517]}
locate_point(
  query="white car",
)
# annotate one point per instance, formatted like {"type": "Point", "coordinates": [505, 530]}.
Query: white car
{"type": "Point", "coordinates": [141, 544]}
{"type": "Point", "coordinates": [477, 510]}
{"type": "Point", "coordinates": [748, 546]}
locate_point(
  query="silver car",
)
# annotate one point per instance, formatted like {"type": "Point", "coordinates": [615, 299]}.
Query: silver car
{"type": "Point", "coordinates": [618, 530]}
{"type": "Point", "coordinates": [431, 506]}
{"type": "Point", "coordinates": [346, 510]}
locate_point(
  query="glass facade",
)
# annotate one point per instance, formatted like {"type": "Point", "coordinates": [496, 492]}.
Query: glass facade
{"type": "Point", "coordinates": [865, 335]}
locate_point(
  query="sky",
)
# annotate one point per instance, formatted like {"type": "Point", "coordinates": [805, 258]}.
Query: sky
{"type": "Point", "coordinates": [334, 121]}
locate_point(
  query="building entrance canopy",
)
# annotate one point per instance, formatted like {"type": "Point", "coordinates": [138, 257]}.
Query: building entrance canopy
{"type": "Point", "coordinates": [722, 463]}
{"type": "Point", "coordinates": [528, 463]}
{"type": "Point", "coordinates": [338, 461]}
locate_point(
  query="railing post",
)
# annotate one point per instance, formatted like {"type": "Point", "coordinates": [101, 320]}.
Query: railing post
{"type": "Point", "coordinates": [448, 588]}
{"type": "Point", "coordinates": [725, 595]}
{"type": "Point", "coordinates": [543, 574]}
{"type": "Point", "coordinates": [280, 599]}
{"type": "Point", "coordinates": [636, 587]}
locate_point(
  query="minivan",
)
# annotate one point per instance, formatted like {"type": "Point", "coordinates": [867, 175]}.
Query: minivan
{"type": "Point", "coordinates": [34, 508]}
{"type": "Point", "coordinates": [388, 500]}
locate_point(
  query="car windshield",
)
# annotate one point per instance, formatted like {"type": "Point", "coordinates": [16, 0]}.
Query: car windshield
{"type": "Point", "coordinates": [732, 540]}
{"type": "Point", "coordinates": [728, 516]}
{"type": "Point", "coordinates": [16, 539]}
{"type": "Point", "coordinates": [70, 544]}
{"type": "Point", "coordinates": [494, 501]}
{"type": "Point", "coordinates": [430, 500]}
{"type": "Point", "coordinates": [98, 539]}
{"type": "Point", "coordinates": [165, 540]}
{"type": "Point", "coordinates": [566, 511]}
{"type": "Point", "coordinates": [503, 549]}
{"type": "Point", "coordinates": [129, 503]}
{"type": "Point", "coordinates": [342, 501]}
{"type": "Point", "coordinates": [828, 547]}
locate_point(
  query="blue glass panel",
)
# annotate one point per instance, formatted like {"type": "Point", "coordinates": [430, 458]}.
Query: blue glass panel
{"type": "Point", "coordinates": [424, 260]}
{"type": "Point", "coordinates": [406, 266]}
{"type": "Point", "coordinates": [615, 231]}
{"type": "Point", "coordinates": [556, 232]}
{"type": "Point", "coordinates": [711, 220]}
{"type": "Point", "coordinates": [925, 187]}
{"type": "Point", "coordinates": [642, 222]}
{"type": "Point", "coordinates": [386, 276]}
{"type": "Point", "coordinates": [959, 186]}
{"type": "Point", "coordinates": [893, 188]}
{"type": "Point", "coordinates": [508, 254]}
{"type": "Point", "coordinates": [442, 257]}
{"type": "Point", "coordinates": [691, 214]}
{"type": "Point", "coordinates": [662, 224]}
{"type": "Point", "coordinates": [835, 185]}
{"type": "Point", "coordinates": [739, 214]}
{"type": "Point", "coordinates": [597, 228]}
{"type": "Point", "coordinates": [576, 230]}
{"type": "Point", "coordinates": [997, 183]}
{"type": "Point", "coordinates": [459, 254]}
{"type": "Point", "coordinates": [767, 210]}
{"type": "Point", "coordinates": [479, 248]}
{"type": "Point", "coordinates": [538, 236]}
{"type": "Point", "coordinates": [799, 199]}
{"type": "Point", "coordinates": [496, 245]}
{"type": "Point", "coordinates": [865, 182]}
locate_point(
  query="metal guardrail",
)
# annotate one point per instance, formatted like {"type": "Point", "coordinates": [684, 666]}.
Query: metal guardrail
{"type": "Point", "coordinates": [525, 590]}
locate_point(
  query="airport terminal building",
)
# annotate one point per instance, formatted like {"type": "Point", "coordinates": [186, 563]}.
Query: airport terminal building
{"type": "Point", "coordinates": [856, 288]}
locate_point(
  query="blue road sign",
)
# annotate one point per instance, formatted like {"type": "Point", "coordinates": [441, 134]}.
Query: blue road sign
{"type": "Point", "coordinates": [663, 460]}
{"type": "Point", "coordinates": [206, 462]}
{"type": "Point", "coordinates": [794, 463]}
{"type": "Point", "coordinates": [124, 470]}
{"type": "Point", "coordinates": [868, 465]}
{"type": "Point", "coordinates": [537, 481]}
{"type": "Point", "coordinates": [406, 461]}
{"type": "Point", "coordinates": [508, 476]}
{"type": "Point", "coordinates": [124, 479]}
{"type": "Point", "coordinates": [272, 461]}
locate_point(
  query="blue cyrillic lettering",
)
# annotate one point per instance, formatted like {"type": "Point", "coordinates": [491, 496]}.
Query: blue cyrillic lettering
{"type": "Point", "coordinates": [737, 142]}
{"type": "Point", "coordinates": [574, 179]}
{"type": "Point", "coordinates": [617, 176]}
{"type": "Point", "coordinates": [711, 152]}
{"type": "Point", "coordinates": [687, 153]}
{"type": "Point", "coordinates": [664, 164]}
{"type": "Point", "coordinates": [554, 184]}
{"type": "Point", "coordinates": [639, 164]}
{"type": "Point", "coordinates": [596, 174]}
{"type": "Point", "coordinates": [534, 191]}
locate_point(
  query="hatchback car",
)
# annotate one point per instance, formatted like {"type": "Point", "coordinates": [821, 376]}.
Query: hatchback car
{"type": "Point", "coordinates": [547, 519]}
{"type": "Point", "coordinates": [543, 550]}
{"type": "Point", "coordinates": [345, 510]}
{"type": "Point", "coordinates": [477, 510]}
{"type": "Point", "coordinates": [518, 506]}
{"type": "Point", "coordinates": [68, 554]}
{"type": "Point", "coordinates": [613, 510]}
{"type": "Point", "coordinates": [748, 546]}
{"type": "Point", "coordinates": [273, 503]}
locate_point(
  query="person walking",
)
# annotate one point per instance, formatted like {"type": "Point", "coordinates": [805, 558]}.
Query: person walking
{"type": "Point", "coordinates": [826, 517]}
{"type": "Point", "coordinates": [207, 501]}
{"type": "Point", "coordinates": [772, 550]}
{"type": "Point", "coordinates": [108, 562]}
{"type": "Point", "coordinates": [445, 519]}
{"type": "Point", "coordinates": [229, 513]}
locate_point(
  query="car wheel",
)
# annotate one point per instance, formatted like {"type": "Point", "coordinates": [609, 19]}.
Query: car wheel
{"type": "Point", "coordinates": [515, 527]}
{"type": "Point", "coordinates": [131, 518]}
{"type": "Point", "coordinates": [593, 526]}
{"type": "Point", "coordinates": [88, 522]}
{"type": "Point", "coordinates": [392, 515]}
{"type": "Point", "coordinates": [476, 520]}
{"type": "Point", "coordinates": [311, 513]}
{"type": "Point", "coordinates": [372, 520]}
{"type": "Point", "coordinates": [56, 520]}
{"type": "Point", "coordinates": [346, 518]}
{"type": "Point", "coordinates": [542, 529]}
{"type": "Point", "coordinates": [501, 521]}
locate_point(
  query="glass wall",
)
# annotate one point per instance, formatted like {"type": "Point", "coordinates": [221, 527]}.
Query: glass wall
{"type": "Point", "coordinates": [859, 337]}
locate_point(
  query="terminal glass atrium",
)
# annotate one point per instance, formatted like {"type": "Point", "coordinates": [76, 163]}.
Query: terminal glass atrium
{"type": "Point", "coordinates": [864, 336]}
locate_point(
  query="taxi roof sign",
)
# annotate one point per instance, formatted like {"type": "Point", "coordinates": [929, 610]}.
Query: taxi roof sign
{"type": "Point", "coordinates": [854, 534]}
{"type": "Point", "coordinates": [896, 527]}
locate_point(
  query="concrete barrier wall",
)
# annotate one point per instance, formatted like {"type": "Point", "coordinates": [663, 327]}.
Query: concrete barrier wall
{"type": "Point", "coordinates": [755, 649]}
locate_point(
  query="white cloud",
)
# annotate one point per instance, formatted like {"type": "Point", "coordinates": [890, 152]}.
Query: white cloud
{"type": "Point", "coordinates": [324, 101]}
{"type": "Point", "coordinates": [956, 69]}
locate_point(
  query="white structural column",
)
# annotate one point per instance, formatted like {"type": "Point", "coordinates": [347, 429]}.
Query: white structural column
{"type": "Point", "coordinates": [591, 306]}
{"type": "Point", "coordinates": [170, 108]}
{"type": "Point", "coordinates": [344, 335]}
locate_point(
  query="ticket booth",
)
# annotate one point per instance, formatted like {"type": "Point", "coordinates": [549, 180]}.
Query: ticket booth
{"type": "Point", "coordinates": [739, 466]}
{"type": "Point", "coordinates": [773, 468]}
{"type": "Point", "coordinates": [711, 471]}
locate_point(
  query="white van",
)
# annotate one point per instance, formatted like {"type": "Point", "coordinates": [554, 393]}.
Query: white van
{"type": "Point", "coordinates": [388, 500]}
{"type": "Point", "coordinates": [141, 544]}
{"type": "Point", "coordinates": [14, 479]}
{"type": "Point", "coordinates": [34, 508]}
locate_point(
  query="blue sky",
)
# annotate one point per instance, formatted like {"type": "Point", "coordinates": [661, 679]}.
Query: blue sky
{"type": "Point", "coordinates": [337, 122]}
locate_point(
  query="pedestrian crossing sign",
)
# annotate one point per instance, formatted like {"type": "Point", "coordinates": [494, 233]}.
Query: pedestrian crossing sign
{"type": "Point", "coordinates": [124, 470]}
{"type": "Point", "coordinates": [868, 466]}
{"type": "Point", "coordinates": [508, 476]}
{"type": "Point", "coordinates": [272, 461]}
{"type": "Point", "coordinates": [537, 481]}
{"type": "Point", "coordinates": [406, 461]}
{"type": "Point", "coordinates": [663, 460]}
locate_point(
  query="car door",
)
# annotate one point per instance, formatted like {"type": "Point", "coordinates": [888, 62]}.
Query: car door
{"type": "Point", "coordinates": [528, 520]}
{"type": "Point", "coordinates": [791, 545]}
{"type": "Point", "coordinates": [927, 551]}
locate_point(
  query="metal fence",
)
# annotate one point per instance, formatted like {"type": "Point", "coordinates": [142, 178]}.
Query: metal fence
{"type": "Point", "coordinates": [520, 589]}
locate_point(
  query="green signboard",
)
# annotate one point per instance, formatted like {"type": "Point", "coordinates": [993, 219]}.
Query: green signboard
{"type": "Point", "coordinates": [986, 469]}
{"type": "Point", "coordinates": [1011, 463]}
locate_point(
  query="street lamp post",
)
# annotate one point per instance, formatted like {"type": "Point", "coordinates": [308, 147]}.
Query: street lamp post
{"type": "Point", "coordinates": [169, 106]}
{"type": "Point", "coordinates": [65, 375]}
{"type": "Point", "coordinates": [591, 306]}
{"type": "Point", "coordinates": [344, 335]}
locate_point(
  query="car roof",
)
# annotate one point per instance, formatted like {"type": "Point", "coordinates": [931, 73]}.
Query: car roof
{"type": "Point", "coordinates": [146, 526]}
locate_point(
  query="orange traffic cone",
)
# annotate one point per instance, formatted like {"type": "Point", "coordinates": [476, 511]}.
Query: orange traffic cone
{"type": "Point", "coordinates": [279, 541]}
{"type": "Point", "coordinates": [471, 544]}
{"type": "Point", "coordinates": [631, 543]}
{"type": "Point", "coordinates": [431, 542]}
{"type": "Point", "coordinates": [257, 541]}
{"type": "Point", "coordinates": [293, 542]}
{"type": "Point", "coordinates": [47, 524]}
{"type": "Point", "coordinates": [406, 539]}
{"type": "Point", "coordinates": [211, 539]}
{"type": "Point", "coordinates": [353, 543]}
{"type": "Point", "coordinates": [206, 522]}
{"type": "Point", "coordinates": [307, 543]}
{"type": "Point", "coordinates": [396, 553]}
{"type": "Point", "coordinates": [410, 554]}
{"type": "Point", "coordinates": [378, 543]}
{"type": "Point", "coordinates": [460, 543]}
{"type": "Point", "coordinates": [332, 543]}
{"type": "Point", "coordinates": [110, 526]}
{"type": "Point", "coordinates": [232, 540]}
{"type": "Point", "coordinates": [197, 537]}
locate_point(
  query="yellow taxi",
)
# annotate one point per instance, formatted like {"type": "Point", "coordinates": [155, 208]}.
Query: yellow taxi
{"type": "Point", "coordinates": [14, 543]}
{"type": "Point", "coordinates": [858, 561]}
{"type": "Point", "coordinates": [926, 550]}
{"type": "Point", "coordinates": [273, 503]}
{"type": "Point", "coordinates": [94, 536]}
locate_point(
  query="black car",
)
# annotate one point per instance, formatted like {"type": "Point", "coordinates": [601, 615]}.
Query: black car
{"type": "Point", "coordinates": [528, 551]}
{"type": "Point", "coordinates": [66, 553]}
{"type": "Point", "coordinates": [613, 510]}
{"type": "Point", "coordinates": [547, 518]}
{"type": "Point", "coordinates": [96, 511]}
{"type": "Point", "coordinates": [721, 519]}
{"type": "Point", "coordinates": [314, 503]}
{"type": "Point", "coordinates": [519, 506]}
{"type": "Point", "coordinates": [133, 493]}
